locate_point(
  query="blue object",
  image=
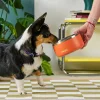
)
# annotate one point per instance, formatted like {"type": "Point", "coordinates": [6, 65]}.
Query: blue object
{"type": "Point", "coordinates": [88, 4]}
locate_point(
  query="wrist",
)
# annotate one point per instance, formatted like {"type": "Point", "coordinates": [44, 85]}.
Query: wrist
{"type": "Point", "coordinates": [92, 20]}
{"type": "Point", "coordinates": [91, 23]}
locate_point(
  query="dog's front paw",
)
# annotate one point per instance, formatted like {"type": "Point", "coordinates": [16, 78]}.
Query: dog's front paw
{"type": "Point", "coordinates": [42, 84]}
{"type": "Point", "coordinates": [22, 92]}
{"type": "Point", "coordinates": [40, 81]}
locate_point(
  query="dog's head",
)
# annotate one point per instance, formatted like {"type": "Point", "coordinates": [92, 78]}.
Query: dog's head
{"type": "Point", "coordinates": [36, 34]}
{"type": "Point", "coordinates": [40, 32]}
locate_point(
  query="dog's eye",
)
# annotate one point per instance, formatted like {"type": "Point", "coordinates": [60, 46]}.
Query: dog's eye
{"type": "Point", "coordinates": [46, 35]}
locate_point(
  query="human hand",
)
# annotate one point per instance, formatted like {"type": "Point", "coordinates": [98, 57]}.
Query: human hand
{"type": "Point", "coordinates": [86, 32]}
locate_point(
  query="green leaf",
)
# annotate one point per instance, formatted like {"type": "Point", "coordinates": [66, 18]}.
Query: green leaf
{"type": "Point", "coordinates": [1, 24]}
{"type": "Point", "coordinates": [9, 25]}
{"type": "Point", "coordinates": [3, 6]}
{"type": "Point", "coordinates": [26, 14]}
{"type": "Point", "coordinates": [18, 4]}
{"type": "Point", "coordinates": [1, 20]}
{"type": "Point", "coordinates": [1, 29]}
{"type": "Point", "coordinates": [47, 67]}
{"type": "Point", "coordinates": [45, 57]}
{"type": "Point", "coordinates": [25, 22]}
{"type": "Point", "coordinates": [7, 1]}
{"type": "Point", "coordinates": [12, 4]}
{"type": "Point", "coordinates": [19, 28]}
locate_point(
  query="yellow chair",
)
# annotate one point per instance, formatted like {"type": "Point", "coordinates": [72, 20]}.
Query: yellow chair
{"type": "Point", "coordinates": [73, 61]}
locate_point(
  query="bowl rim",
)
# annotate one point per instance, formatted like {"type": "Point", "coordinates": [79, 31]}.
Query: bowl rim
{"type": "Point", "coordinates": [66, 38]}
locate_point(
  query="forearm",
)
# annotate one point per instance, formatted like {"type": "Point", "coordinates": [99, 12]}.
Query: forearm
{"type": "Point", "coordinates": [95, 12]}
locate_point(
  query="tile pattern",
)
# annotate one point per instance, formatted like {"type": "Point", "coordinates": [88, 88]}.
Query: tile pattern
{"type": "Point", "coordinates": [54, 90]}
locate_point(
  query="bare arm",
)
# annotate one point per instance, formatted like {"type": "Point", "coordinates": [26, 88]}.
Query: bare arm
{"type": "Point", "coordinates": [95, 12]}
{"type": "Point", "coordinates": [87, 29]}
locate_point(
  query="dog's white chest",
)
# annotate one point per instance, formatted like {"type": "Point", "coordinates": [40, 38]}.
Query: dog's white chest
{"type": "Point", "coordinates": [28, 68]}
{"type": "Point", "coordinates": [39, 49]}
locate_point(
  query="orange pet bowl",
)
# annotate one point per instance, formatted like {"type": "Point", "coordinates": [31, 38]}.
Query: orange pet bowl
{"type": "Point", "coordinates": [68, 45]}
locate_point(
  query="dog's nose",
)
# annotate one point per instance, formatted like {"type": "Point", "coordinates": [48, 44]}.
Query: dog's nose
{"type": "Point", "coordinates": [55, 39]}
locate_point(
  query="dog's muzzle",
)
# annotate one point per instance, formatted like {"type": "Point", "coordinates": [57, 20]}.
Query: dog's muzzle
{"type": "Point", "coordinates": [54, 39]}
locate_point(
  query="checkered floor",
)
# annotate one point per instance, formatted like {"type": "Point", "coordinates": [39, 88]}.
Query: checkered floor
{"type": "Point", "coordinates": [54, 90]}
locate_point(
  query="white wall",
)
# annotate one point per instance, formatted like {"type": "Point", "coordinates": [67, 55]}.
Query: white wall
{"type": "Point", "coordinates": [57, 10]}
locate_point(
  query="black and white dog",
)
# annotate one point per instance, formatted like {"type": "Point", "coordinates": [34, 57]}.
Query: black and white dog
{"type": "Point", "coordinates": [22, 58]}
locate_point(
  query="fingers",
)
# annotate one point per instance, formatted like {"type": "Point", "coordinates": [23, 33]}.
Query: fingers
{"type": "Point", "coordinates": [86, 32]}
{"type": "Point", "coordinates": [84, 37]}
{"type": "Point", "coordinates": [90, 31]}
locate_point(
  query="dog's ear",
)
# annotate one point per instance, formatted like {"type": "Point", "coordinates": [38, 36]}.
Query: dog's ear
{"type": "Point", "coordinates": [39, 22]}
